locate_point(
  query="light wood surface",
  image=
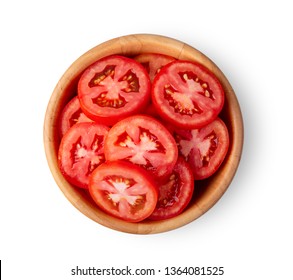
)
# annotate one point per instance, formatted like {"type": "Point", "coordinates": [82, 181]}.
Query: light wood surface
{"type": "Point", "coordinates": [211, 190]}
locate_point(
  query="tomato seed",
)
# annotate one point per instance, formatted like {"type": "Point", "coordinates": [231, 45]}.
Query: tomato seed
{"type": "Point", "coordinates": [168, 91]}
{"type": "Point", "coordinates": [207, 94]}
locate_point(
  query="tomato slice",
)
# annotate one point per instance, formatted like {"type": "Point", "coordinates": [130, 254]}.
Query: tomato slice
{"type": "Point", "coordinates": [81, 150]}
{"type": "Point", "coordinates": [113, 88]}
{"type": "Point", "coordinates": [144, 141]}
{"type": "Point", "coordinates": [123, 190]}
{"type": "Point", "coordinates": [71, 115]}
{"type": "Point", "coordinates": [204, 148]}
{"type": "Point", "coordinates": [187, 94]}
{"type": "Point", "coordinates": [175, 193]}
{"type": "Point", "coordinates": [153, 62]}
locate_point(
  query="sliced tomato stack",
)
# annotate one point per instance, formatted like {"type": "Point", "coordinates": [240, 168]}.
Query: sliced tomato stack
{"type": "Point", "coordinates": [140, 132]}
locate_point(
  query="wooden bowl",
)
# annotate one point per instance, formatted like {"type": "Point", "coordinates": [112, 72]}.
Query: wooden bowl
{"type": "Point", "coordinates": [210, 190]}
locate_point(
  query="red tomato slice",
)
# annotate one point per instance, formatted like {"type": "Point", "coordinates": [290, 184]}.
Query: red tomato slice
{"type": "Point", "coordinates": [123, 190]}
{"type": "Point", "coordinates": [71, 115]}
{"type": "Point", "coordinates": [175, 193]}
{"type": "Point", "coordinates": [187, 94]}
{"type": "Point", "coordinates": [113, 88]}
{"type": "Point", "coordinates": [204, 148]}
{"type": "Point", "coordinates": [81, 150]}
{"type": "Point", "coordinates": [144, 141]}
{"type": "Point", "coordinates": [153, 62]}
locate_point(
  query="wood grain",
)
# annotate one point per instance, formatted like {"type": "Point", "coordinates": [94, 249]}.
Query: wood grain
{"type": "Point", "coordinates": [211, 190]}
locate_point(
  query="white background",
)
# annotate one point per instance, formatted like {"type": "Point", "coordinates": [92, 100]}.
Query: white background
{"type": "Point", "coordinates": [248, 232]}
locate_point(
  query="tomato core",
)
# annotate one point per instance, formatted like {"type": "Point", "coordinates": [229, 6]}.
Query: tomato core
{"type": "Point", "coordinates": [112, 96]}
{"type": "Point", "coordinates": [120, 191]}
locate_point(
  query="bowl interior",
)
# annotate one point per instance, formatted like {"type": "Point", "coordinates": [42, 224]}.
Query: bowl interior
{"type": "Point", "coordinates": [207, 192]}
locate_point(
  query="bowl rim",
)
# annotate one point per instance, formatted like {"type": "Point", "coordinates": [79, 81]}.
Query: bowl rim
{"type": "Point", "coordinates": [131, 45]}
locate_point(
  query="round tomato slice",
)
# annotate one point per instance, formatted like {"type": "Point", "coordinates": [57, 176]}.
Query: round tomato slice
{"type": "Point", "coordinates": [187, 94]}
{"type": "Point", "coordinates": [144, 141]}
{"type": "Point", "coordinates": [81, 150]}
{"type": "Point", "coordinates": [204, 148]}
{"type": "Point", "coordinates": [175, 193]}
{"type": "Point", "coordinates": [113, 88]}
{"type": "Point", "coordinates": [153, 62]}
{"type": "Point", "coordinates": [71, 115]}
{"type": "Point", "coordinates": [123, 190]}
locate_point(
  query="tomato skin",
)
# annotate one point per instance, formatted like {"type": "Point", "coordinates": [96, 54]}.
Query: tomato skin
{"type": "Point", "coordinates": [113, 88]}
{"type": "Point", "coordinates": [187, 94]}
{"type": "Point", "coordinates": [81, 150]}
{"type": "Point", "coordinates": [144, 141]}
{"type": "Point", "coordinates": [153, 62]}
{"type": "Point", "coordinates": [175, 193]}
{"type": "Point", "coordinates": [71, 114]}
{"type": "Point", "coordinates": [123, 190]}
{"type": "Point", "coordinates": [204, 148]}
